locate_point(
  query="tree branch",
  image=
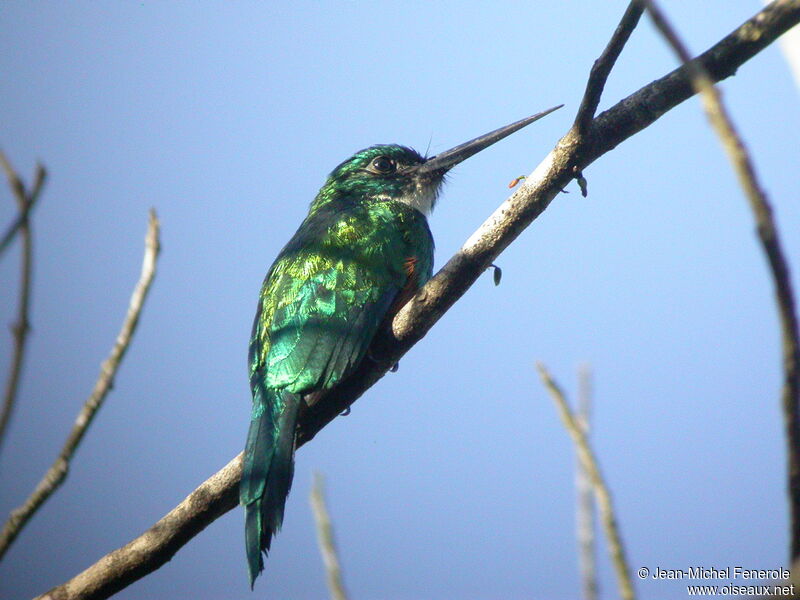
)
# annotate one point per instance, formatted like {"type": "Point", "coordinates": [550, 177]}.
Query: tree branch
{"type": "Point", "coordinates": [218, 494]}
{"type": "Point", "coordinates": [56, 474]}
{"type": "Point", "coordinates": [585, 518]}
{"type": "Point", "coordinates": [25, 202]}
{"type": "Point", "coordinates": [606, 132]}
{"type": "Point", "coordinates": [18, 188]}
{"type": "Point", "coordinates": [603, 65]}
{"type": "Point", "coordinates": [768, 235]}
{"type": "Point", "coordinates": [327, 545]}
{"type": "Point", "coordinates": [601, 492]}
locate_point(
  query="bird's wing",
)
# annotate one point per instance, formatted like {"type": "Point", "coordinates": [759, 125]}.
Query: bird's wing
{"type": "Point", "coordinates": [323, 321]}
{"type": "Point", "coordinates": [327, 293]}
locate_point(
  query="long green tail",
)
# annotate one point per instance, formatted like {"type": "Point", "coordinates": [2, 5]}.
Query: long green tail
{"type": "Point", "coordinates": [267, 470]}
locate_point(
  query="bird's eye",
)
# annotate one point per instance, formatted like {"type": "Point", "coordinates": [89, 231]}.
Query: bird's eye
{"type": "Point", "coordinates": [383, 164]}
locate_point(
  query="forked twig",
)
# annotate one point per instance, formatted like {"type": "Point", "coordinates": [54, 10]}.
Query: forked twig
{"type": "Point", "coordinates": [56, 474]}
{"type": "Point", "coordinates": [601, 68]}
{"type": "Point", "coordinates": [25, 202]}
{"type": "Point", "coordinates": [601, 491]}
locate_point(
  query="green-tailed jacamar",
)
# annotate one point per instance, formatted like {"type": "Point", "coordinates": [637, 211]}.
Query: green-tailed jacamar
{"type": "Point", "coordinates": [363, 250]}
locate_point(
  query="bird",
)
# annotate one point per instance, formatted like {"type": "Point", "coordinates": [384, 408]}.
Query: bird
{"type": "Point", "coordinates": [363, 250]}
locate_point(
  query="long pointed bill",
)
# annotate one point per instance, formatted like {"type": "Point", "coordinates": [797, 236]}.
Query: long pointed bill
{"type": "Point", "coordinates": [447, 160]}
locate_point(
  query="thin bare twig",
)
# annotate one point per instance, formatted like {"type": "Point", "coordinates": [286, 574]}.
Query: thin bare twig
{"type": "Point", "coordinates": [327, 544]}
{"type": "Point", "coordinates": [218, 494]}
{"type": "Point", "coordinates": [586, 512]}
{"type": "Point", "coordinates": [25, 201]}
{"type": "Point", "coordinates": [16, 225]}
{"type": "Point", "coordinates": [770, 242]}
{"type": "Point", "coordinates": [58, 471]}
{"type": "Point", "coordinates": [601, 68]}
{"type": "Point", "coordinates": [601, 491]}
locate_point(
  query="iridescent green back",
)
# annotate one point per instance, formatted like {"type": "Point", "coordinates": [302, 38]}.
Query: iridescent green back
{"type": "Point", "coordinates": [329, 289]}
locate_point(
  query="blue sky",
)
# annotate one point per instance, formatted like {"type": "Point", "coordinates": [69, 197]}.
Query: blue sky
{"type": "Point", "coordinates": [452, 478]}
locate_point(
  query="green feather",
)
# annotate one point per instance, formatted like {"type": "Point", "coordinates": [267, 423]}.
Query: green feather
{"type": "Point", "coordinates": [321, 304]}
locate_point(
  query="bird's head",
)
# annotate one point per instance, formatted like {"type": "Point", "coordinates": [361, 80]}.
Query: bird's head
{"type": "Point", "coordinates": [386, 172]}
{"type": "Point", "coordinates": [397, 173]}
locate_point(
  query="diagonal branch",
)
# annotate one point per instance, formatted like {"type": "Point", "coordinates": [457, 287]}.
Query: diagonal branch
{"type": "Point", "coordinates": [56, 474]}
{"type": "Point", "coordinates": [327, 545]}
{"type": "Point", "coordinates": [603, 65]}
{"type": "Point", "coordinates": [770, 242]}
{"type": "Point", "coordinates": [602, 494]}
{"type": "Point", "coordinates": [607, 131]}
{"type": "Point", "coordinates": [25, 202]}
{"type": "Point", "coordinates": [218, 494]}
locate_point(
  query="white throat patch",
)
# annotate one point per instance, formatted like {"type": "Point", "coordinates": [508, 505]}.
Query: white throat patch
{"type": "Point", "coordinates": [422, 197]}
